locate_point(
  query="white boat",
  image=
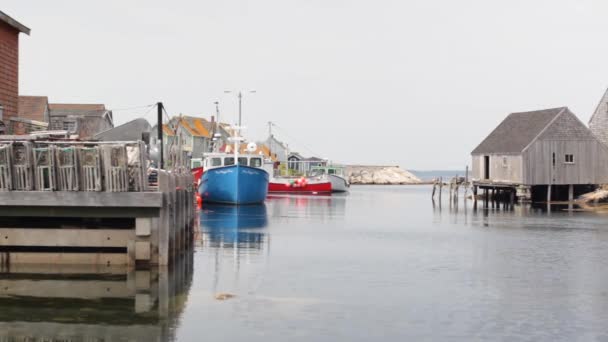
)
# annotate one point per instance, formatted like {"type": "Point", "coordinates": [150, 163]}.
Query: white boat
{"type": "Point", "coordinates": [335, 174]}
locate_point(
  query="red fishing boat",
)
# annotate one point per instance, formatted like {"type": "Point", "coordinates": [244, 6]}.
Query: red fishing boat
{"type": "Point", "coordinates": [301, 185]}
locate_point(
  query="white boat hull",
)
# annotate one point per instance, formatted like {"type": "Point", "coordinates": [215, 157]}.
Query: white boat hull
{"type": "Point", "coordinates": [338, 183]}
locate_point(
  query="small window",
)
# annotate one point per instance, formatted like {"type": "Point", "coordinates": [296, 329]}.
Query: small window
{"type": "Point", "coordinates": [228, 161]}
{"type": "Point", "coordinates": [69, 126]}
{"type": "Point", "coordinates": [504, 162]}
{"type": "Point", "coordinates": [255, 162]}
{"type": "Point", "coordinates": [243, 161]}
{"type": "Point", "coordinates": [331, 171]}
{"type": "Point", "coordinates": [196, 163]}
{"type": "Point", "coordinates": [216, 161]}
{"type": "Point", "coordinates": [569, 158]}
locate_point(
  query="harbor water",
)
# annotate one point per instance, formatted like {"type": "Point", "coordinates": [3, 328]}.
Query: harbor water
{"type": "Point", "coordinates": [380, 263]}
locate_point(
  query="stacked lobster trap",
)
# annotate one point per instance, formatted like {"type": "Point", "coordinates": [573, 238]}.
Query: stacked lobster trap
{"type": "Point", "coordinates": [83, 166]}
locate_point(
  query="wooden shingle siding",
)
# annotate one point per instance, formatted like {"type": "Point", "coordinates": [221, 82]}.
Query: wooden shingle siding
{"type": "Point", "coordinates": [590, 163]}
{"type": "Point", "coordinates": [562, 134]}
{"type": "Point", "coordinates": [511, 172]}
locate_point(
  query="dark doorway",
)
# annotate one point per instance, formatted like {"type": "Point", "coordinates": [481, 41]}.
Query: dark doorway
{"type": "Point", "coordinates": [486, 167]}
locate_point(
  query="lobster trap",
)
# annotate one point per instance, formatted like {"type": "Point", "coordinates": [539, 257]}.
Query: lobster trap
{"type": "Point", "coordinates": [67, 168]}
{"type": "Point", "coordinates": [90, 168]}
{"type": "Point", "coordinates": [115, 166]}
{"type": "Point", "coordinates": [22, 166]}
{"type": "Point", "coordinates": [6, 181]}
{"type": "Point", "coordinates": [44, 168]}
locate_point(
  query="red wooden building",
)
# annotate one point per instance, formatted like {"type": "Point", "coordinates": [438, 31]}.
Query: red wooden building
{"type": "Point", "coordinates": [9, 67]}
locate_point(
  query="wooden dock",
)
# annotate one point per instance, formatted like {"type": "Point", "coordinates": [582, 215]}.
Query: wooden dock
{"type": "Point", "coordinates": [91, 203]}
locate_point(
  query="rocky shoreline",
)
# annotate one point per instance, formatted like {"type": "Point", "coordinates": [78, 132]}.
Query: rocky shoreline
{"type": "Point", "coordinates": [387, 175]}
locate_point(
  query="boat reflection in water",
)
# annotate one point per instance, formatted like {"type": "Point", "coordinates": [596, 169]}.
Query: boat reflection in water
{"type": "Point", "coordinates": [233, 226]}
{"type": "Point", "coordinates": [233, 244]}
{"type": "Point", "coordinates": [92, 303]}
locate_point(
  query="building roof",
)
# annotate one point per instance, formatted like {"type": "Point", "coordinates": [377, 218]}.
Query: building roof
{"type": "Point", "coordinates": [168, 130]}
{"type": "Point", "coordinates": [518, 130]}
{"type": "Point", "coordinates": [77, 108]}
{"type": "Point", "coordinates": [197, 127]}
{"type": "Point", "coordinates": [33, 107]}
{"type": "Point", "coordinates": [14, 23]}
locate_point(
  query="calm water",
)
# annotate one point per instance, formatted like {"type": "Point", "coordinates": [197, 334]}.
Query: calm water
{"type": "Point", "coordinates": [380, 263]}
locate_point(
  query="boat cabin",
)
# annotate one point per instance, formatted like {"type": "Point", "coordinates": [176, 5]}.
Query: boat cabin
{"type": "Point", "coordinates": [329, 170]}
{"type": "Point", "coordinates": [215, 160]}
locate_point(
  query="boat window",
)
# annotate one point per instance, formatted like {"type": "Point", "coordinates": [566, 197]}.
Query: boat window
{"type": "Point", "coordinates": [243, 161]}
{"type": "Point", "coordinates": [216, 161]}
{"type": "Point", "coordinates": [196, 163]}
{"type": "Point", "coordinates": [255, 162]}
{"type": "Point", "coordinates": [331, 171]}
{"type": "Point", "coordinates": [229, 161]}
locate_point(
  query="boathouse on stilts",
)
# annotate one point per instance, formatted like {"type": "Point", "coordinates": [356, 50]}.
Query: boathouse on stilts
{"type": "Point", "coordinates": [540, 156]}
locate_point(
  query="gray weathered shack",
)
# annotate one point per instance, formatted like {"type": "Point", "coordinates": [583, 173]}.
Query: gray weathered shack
{"type": "Point", "coordinates": [544, 147]}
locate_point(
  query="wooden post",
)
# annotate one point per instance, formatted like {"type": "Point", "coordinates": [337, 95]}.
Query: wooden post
{"type": "Point", "coordinates": [434, 188]}
{"type": "Point", "coordinates": [440, 188]}
{"type": "Point", "coordinates": [485, 198]}
{"type": "Point", "coordinates": [475, 197]}
{"type": "Point", "coordinates": [571, 193]}
{"type": "Point", "coordinates": [549, 198]}
{"type": "Point", "coordinates": [512, 198]}
{"type": "Point", "coordinates": [466, 181]}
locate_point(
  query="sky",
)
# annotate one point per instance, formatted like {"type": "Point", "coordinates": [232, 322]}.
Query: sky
{"type": "Point", "coordinates": [412, 83]}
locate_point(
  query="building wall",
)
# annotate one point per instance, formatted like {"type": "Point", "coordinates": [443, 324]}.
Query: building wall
{"type": "Point", "coordinates": [9, 70]}
{"type": "Point", "coordinates": [276, 149]}
{"type": "Point", "coordinates": [590, 162]}
{"type": "Point", "coordinates": [503, 168]}
{"type": "Point", "coordinates": [200, 146]}
{"type": "Point", "coordinates": [599, 121]}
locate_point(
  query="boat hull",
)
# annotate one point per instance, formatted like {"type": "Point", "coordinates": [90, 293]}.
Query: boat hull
{"type": "Point", "coordinates": [234, 184]}
{"type": "Point", "coordinates": [338, 184]}
{"type": "Point", "coordinates": [309, 188]}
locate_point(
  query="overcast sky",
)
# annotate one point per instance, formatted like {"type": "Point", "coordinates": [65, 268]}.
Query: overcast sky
{"type": "Point", "coordinates": [413, 83]}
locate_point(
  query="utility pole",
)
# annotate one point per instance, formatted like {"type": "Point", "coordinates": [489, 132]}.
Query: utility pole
{"type": "Point", "coordinates": [240, 106]}
{"type": "Point", "coordinates": [270, 128]}
{"type": "Point", "coordinates": [159, 132]}
{"type": "Point", "coordinates": [240, 97]}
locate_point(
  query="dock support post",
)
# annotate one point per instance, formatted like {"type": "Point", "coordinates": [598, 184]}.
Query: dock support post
{"type": "Point", "coordinates": [475, 197]}
{"type": "Point", "coordinates": [512, 198]}
{"type": "Point", "coordinates": [570, 198]}
{"type": "Point", "coordinates": [485, 198]}
{"type": "Point", "coordinates": [549, 197]}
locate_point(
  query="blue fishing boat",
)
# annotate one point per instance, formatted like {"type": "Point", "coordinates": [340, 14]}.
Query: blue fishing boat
{"type": "Point", "coordinates": [233, 179]}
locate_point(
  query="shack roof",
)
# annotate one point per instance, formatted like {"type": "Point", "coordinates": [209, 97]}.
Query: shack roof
{"type": "Point", "coordinates": [195, 126]}
{"type": "Point", "coordinates": [33, 107]}
{"type": "Point", "coordinates": [5, 18]}
{"type": "Point", "coordinates": [517, 131]}
{"type": "Point", "coordinates": [77, 109]}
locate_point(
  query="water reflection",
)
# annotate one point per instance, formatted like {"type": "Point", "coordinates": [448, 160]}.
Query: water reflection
{"type": "Point", "coordinates": [234, 240]}
{"type": "Point", "coordinates": [317, 206]}
{"type": "Point", "coordinates": [92, 303]}
{"type": "Point", "coordinates": [233, 226]}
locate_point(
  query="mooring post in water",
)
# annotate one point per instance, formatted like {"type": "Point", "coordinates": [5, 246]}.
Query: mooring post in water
{"type": "Point", "coordinates": [549, 198]}
{"type": "Point", "coordinates": [440, 188]}
{"type": "Point", "coordinates": [434, 188]}
{"type": "Point", "coordinates": [466, 181]}
{"type": "Point", "coordinates": [571, 193]}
